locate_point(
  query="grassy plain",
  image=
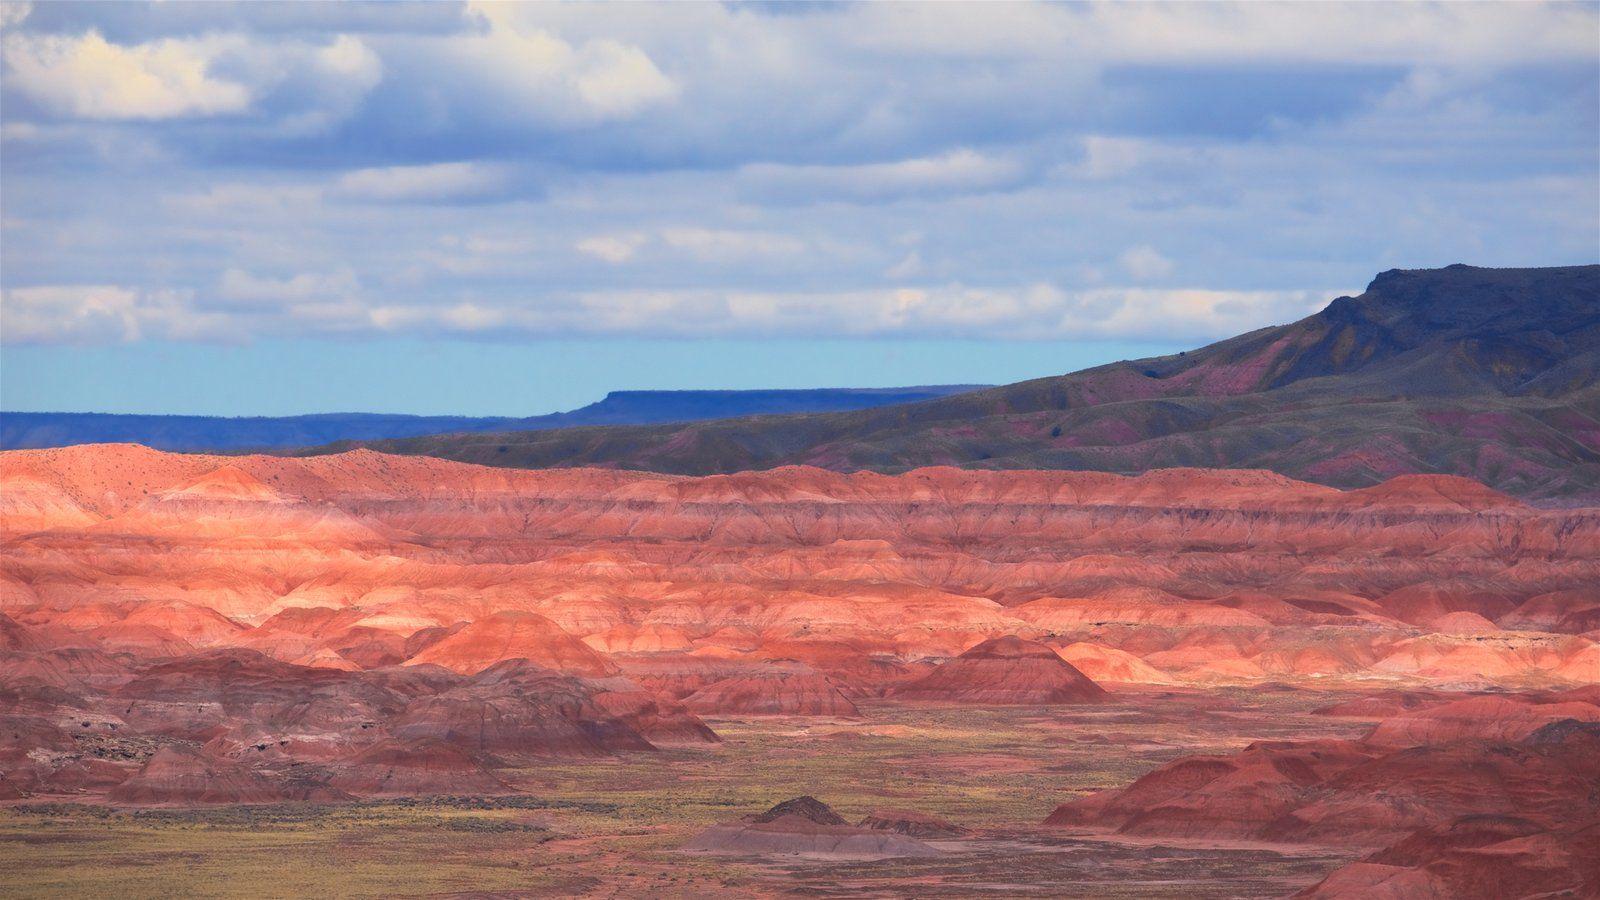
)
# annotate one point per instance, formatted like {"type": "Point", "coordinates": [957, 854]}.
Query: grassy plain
{"type": "Point", "coordinates": [612, 827]}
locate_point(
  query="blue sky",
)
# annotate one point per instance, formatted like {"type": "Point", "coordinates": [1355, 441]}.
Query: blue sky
{"type": "Point", "coordinates": [277, 208]}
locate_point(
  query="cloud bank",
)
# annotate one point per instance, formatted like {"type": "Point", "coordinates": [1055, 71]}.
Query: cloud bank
{"type": "Point", "coordinates": [215, 172]}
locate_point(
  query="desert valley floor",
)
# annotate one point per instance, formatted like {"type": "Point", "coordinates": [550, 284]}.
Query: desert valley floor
{"type": "Point", "coordinates": [252, 675]}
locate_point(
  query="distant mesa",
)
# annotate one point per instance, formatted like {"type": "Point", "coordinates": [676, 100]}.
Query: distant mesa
{"type": "Point", "coordinates": [30, 430]}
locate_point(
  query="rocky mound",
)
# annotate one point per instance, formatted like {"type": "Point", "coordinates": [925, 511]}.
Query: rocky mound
{"type": "Point", "coordinates": [183, 775]}
{"type": "Point", "coordinates": [781, 693]}
{"type": "Point", "coordinates": [1355, 792]}
{"type": "Point", "coordinates": [1490, 717]}
{"type": "Point", "coordinates": [420, 768]}
{"type": "Point", "coordinates": [805, 826]}
{"type": "Point", "coordinates": [516, 710]}
{"type": "Point", "coordinates": [914, 824]}
{"type": "Point", "coordinates": [1004, 671]}
{"type": "Point", "coordinates": [1475, 858]}
{"type": "Point", "coordinates": [805, 807]}
{"type": "Point", "coordinates": [658, 718]}
{"type": "Point", "coordinates": [514, 635]}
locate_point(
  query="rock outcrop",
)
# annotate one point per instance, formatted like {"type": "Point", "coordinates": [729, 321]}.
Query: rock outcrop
{"type": "Point", "coordinates": [805, 826]}
{"type": "Point", "coordinates": [1004, 671]}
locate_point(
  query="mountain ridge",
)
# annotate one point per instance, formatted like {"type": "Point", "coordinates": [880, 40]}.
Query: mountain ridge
{"type": "Point", "coordinates": [37, 430]}
{"type": "Point", "coordinates": [1485, 373]}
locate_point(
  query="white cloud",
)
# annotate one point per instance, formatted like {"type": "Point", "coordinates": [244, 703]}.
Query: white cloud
{"type": "Point", "coordinates": [706, 245]}
{"type": "Point", "coordinates": [244, 199]}
{"type": "Point", "coordinates": [250, 306]}
{"type": "Point", "coordinates": [523, 69]}
{"type": "Point", "coordinates": [961, 171]}
{"type": "Point", "coordinates": [13, 12]}
{"type": "Point", "coordinates": [1236, 32]}
{"type": "Point", "coordinates": [612, 248]}
{"type": "Point", "coordinates": [100, 314]}
{"type": "Point", "coordinates": [1036, 312]}
{"type": "Point", "coordinates": [909, 266]}
{"type": "Point", "coordinates": [724, 245]}
{"type": "Point", "coordinates": [243, 290]}
{"type": "Point", "coordinates": [89, 77]}
{"type": "Point", "coordinates": [431, 183]}
{"type": "Point", "coordinates": [1144, 263]}
{"type": "Point", "coordinates": [300, 87]}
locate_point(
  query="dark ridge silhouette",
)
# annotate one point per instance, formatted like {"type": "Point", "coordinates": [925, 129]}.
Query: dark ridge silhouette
{"type": "Point", "coordinates": [26, 430]}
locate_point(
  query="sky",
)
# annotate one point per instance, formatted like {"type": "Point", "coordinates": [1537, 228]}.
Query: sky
{"type": "Point", "coordinates": [508, 209]}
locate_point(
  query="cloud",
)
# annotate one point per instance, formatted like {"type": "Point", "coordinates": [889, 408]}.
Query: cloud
{"type": "Point", "coordinates": [250, 306]}
{"type": "Point", "coordinates": [711, 169]}
{"type": "Point", "coordinates": [961, 171]}
{"type": "Point", "coordinates": [1144, 263]}
{"type": "Point", "coordinates": [909, 266]}
{"type": "Point", "coordinates": [97, 314]}
{"type": "Point", "coordinates": [241, 290]}
{"type": "Point", "coordinates": [725, 245]}
{"type": "Point", "coordinates": [13, 12]}
{"type": "Point", "coordinates": [87, 77]}
{"type": "Point", "coordinates": [440, 182]}
{"type": "Point", "coordinates": [513, 68]}
{"type": "Point", "coordinates": [612, 248]}
{"type": "Point", "coordinates": [298, 88]}
{"type": "Point", "coordinates": [706, 245]}
{"type": "Point", "coordinates": [1232, 32]}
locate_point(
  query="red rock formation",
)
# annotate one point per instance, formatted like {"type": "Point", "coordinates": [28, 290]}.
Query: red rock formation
{"type": "Point", "coordinates": [517, 710]}
{"type": "Point", "coordinates": [1475, 858]}
{"type": "Point", "coordinates": [513, 635]}
{"type": "Point", "coordinates": [1004, 670]}
{"type": "Point", "coordinates": [914, 824]}
{"type": "Point", "coordinates": [420, 768]}
{"type": "Point", "coordinates": [1507, 718]}
{"type": "Point", "coordinates": [378, 590]}
{"type": "Point", "coordinates": [1356, 793]}
{"type": "Point", "coordinates": [1231, 571]}
{"type": "Point", "coordinates": [180, 775]}
{"type": "Point", "coordinates": [772, 693]}
{"type": "Point", "coordinates": [807, 827]}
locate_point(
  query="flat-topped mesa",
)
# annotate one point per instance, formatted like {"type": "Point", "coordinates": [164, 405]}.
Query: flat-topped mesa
{"type": "Point", "coordinates": [1004, 671]}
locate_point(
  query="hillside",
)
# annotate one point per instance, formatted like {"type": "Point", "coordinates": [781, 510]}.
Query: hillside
{"type": "Point", "coordinates": [1485, 373]}
{"type": "Point", "coordinates": [22, 430]}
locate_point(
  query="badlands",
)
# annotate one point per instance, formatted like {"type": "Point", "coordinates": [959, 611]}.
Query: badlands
{"type": "Point", "coordinates": [1188, 682]}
